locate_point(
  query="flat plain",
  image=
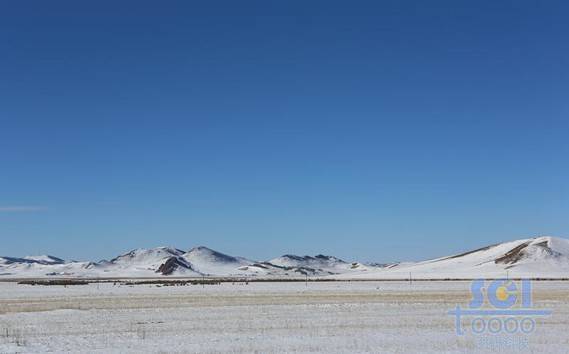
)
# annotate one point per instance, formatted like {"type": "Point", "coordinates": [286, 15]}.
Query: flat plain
{"type": "Point", "coordinates": [264, 317]}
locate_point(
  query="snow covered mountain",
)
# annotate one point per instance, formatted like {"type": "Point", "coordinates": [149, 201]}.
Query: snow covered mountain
{"type": "Point", "coordinates": [545, 257]}
{"type": "Point", "coordinates": [317, 265]}
{"type": "Point", "coordinates": [197, 262]}
{"type": "Point", "coordinates": [540, 257]}
{"type": "Point", "coordinates": [141, 262]}
{"type": "Point", "coordinates": [210, 262]}
{"type": "Point", "coordinates": [44, 259]}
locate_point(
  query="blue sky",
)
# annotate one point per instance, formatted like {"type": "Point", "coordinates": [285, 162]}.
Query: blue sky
{"type": "Point", "coordinates": [380, 130]}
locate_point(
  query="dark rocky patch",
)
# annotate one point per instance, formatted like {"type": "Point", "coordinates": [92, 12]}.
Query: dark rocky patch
{"type": "Point", "coordinates": [514, 255]}
{"type": "Point", "coordinates": [172, 264]}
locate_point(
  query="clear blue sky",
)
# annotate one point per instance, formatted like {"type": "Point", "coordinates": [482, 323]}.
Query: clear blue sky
{"type": "Point", "coordinates": [380, 130]}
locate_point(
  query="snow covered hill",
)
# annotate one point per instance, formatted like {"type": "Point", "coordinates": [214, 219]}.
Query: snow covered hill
{"type": "Point", "coordinates": [210, 262]}
{"type": "Point", "coordinates": [142, 262]}
{"type": "Point", "coordinates": [44, 259]}
{"type": "Point", "coordinates": [540, 257]}
{"type": "Point", "coordinates": [317, 265]}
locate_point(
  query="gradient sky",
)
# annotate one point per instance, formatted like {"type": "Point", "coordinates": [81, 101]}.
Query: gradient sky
{"type": "Point", "coordinates": [377, 131]}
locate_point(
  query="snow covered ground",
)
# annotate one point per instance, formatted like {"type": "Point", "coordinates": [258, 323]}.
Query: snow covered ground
{"type": "Point", "coordinates": [291, 317]}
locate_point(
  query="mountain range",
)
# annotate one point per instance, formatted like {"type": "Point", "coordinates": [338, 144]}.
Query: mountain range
{"type": "Point", "coordinates": [539, 257]}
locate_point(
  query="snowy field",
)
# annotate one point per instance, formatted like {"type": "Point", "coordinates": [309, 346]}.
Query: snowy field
{"type": "Point", "coordinates": [284, 317]}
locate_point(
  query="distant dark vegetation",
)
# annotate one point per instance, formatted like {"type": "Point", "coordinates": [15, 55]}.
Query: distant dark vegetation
{"type": "Point", "coordinates": [64, 282]}
{"type": "Point", "coordinates": [172, 282]}
{"type": "Point", "coordinates": [166, 282]}
{"type": "Point", "coordinates": [236, 281]}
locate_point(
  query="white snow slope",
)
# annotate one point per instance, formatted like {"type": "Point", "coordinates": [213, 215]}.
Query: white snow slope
{"type": "Point", "coordinates": [539, 257]}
